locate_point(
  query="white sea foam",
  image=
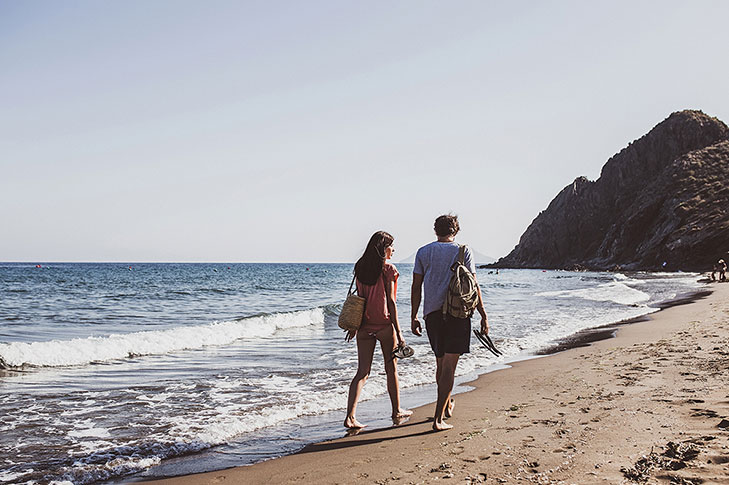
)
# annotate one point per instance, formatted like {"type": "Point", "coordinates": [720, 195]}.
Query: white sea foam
{"type": "Point", "coordinates": [616, 291]}
{"type": "Point", "coordinates": [82, 351]}
{"type": "Point", "coordinates": [9, 477]}
{"type": "Point", "coordinates": [82, 473]}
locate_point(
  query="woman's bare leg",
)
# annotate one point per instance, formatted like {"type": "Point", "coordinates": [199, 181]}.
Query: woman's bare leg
{"type": "Point", "coordinates": [365, 352]}
{"type": "Point", "coordinates": [387, 344]}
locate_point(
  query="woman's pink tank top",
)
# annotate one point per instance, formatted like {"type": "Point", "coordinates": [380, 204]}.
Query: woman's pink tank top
{"type": "Point", "coordinates": [376, 315]}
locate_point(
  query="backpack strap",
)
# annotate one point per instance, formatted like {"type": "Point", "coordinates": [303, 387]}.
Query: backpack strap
{"type": "Point", "coordinates": [349, 292]}
{"type": "Point", "coordinates": [461, 258]}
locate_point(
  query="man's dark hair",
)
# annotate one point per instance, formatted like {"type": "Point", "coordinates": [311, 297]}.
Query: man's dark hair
{"type": "Point", "coordinates": [446, 225]}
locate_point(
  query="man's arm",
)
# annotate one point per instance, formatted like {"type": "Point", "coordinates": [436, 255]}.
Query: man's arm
{"type": "Point", "coordinates": [481, 310]}
{"type": "Point", "coordinates": [415, 296]}
{"type": "Point", "coordinates": [468, 261]}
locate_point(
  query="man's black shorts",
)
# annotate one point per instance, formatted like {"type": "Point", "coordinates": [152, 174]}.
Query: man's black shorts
{"type": "Point", "coordinates": [448, 335]}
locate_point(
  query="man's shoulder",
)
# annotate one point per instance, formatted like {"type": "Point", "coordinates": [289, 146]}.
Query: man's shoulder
{"type": "Point", "coordinates": [425, 249]}
{"type": "Point", "coordinates": [422, 258]}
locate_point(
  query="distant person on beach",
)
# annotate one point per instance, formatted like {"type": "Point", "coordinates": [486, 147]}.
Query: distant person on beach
{"type": "Point", "coordinates": [449, 337]}
{"type": "Point", "coordinates": [722, 270]}
{"type": "Point", "coordinates": [377, 283]}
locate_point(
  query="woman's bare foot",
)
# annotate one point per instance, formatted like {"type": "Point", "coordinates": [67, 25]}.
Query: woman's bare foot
{"type": "Point", "coordinates": [402, 416]}
{"type": "Point", "coordinates": [402, 413]}
{"type": "Point", "coordinates": [352, 423]}
{"type": "Point", "coordinates": [441, 426]}
{"type": "Point", "coordinates": [448, 412]}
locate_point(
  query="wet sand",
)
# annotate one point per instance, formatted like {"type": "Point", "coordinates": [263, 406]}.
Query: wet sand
{"type": "Point", "coordinates": [651, 404]}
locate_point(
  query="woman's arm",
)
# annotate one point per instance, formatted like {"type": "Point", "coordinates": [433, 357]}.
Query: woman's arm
{"type": "Point", "coordinates": [392, 309]}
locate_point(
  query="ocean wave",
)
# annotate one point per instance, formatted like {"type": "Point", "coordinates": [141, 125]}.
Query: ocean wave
{"type": "Point", "coordinates": [82, 351]}
{"type": "Point", "coordinates": [333, 309]}
{"type": "Point", "coordinates": [616, 291]}
{"type": "Point", "coordinates": [100, 465]}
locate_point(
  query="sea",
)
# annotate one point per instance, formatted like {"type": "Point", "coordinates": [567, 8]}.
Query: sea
{"type": "Point", "coordinates": [111, 372]}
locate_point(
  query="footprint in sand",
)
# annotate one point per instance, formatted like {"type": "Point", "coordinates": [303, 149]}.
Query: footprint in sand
{"type": "Point", "coordinates": [718, 459]}
{"type": "Point", "coordinates": [709, 413]}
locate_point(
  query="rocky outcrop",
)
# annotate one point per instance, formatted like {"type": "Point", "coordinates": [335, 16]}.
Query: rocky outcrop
{"type": "Point", "coordinates": [663, 199]}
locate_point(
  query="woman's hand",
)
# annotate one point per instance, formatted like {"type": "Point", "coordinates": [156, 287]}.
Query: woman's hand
{"type": "Point", "coordinates": [349, 335]}
{"type": "Point", "coordinates": [400, 339]}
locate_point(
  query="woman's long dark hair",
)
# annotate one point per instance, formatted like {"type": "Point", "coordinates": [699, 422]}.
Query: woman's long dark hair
{"type": "Point", "coordinates": [369, 267]}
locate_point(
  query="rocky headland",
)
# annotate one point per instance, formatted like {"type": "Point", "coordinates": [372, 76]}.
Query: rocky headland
{"type": "Point", "coordinates": [660, 203]}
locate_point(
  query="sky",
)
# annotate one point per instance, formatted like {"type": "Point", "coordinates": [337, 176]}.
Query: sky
{"type": "Point", "coordinates": [290, 131]}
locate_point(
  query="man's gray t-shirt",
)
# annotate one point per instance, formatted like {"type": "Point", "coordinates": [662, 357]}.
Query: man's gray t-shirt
{"type": "Point", "coordinates": [434, 262]}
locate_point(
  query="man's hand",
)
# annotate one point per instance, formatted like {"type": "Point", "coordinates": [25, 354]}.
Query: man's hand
{"type": "Point", "coordinates": [349, 335]}
{"type": "Point", "coordinates": [416, 327]}
{"type": "Point", "coordinates": [484, 325]}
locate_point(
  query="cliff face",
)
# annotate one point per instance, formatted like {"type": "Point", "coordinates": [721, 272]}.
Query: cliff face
{"type": "Point", "coordinates": [663, 198]}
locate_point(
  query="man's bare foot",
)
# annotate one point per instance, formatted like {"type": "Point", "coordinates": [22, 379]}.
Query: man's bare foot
{"type": "Point", "coordinates": [402, 413]}
{"type": "Point", "coordinates": [352, 423]}
{"type": "Point", "coordinates": [441, 426]}
{"type": "Point", "coordinates": [448, 412]}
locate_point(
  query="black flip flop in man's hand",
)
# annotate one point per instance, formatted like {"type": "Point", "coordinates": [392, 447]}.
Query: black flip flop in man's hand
{"type": "Point", "coordinates": [486, 341]}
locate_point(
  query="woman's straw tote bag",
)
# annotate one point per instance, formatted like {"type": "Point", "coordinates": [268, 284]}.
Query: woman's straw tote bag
{"type": "Point", "coordinates": [350, 317]}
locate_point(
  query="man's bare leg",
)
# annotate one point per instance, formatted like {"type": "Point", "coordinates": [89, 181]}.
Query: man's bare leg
{"type": "Point", "coordinates": [448, 411]}
{"type": "Point", "coordinates": [446, 375]}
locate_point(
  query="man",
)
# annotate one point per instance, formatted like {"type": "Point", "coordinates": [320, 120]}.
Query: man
{"type": "Point", "coordinates": [449, 337]}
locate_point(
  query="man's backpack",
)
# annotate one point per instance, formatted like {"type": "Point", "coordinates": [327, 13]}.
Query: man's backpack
{"type": "Point", "coordinates": [462, 296]}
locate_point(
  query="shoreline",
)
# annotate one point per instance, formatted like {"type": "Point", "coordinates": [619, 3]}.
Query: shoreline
{"type": "Point", "coordinates": [335, 455]}
{"type": "Point", "coordinates": [585, 337]}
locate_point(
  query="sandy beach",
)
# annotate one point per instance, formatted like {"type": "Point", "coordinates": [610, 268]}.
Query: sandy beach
{"type": "Point", "coordinates": [649, 405]}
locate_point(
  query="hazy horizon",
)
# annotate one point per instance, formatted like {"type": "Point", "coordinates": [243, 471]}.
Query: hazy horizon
{"type": "Point", "coordinates": [240, 131]}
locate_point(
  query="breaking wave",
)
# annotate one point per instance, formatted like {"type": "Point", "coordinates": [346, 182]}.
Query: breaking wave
{"type": "Point", "coordinates": [615, 291]}
{"type": "Point", "coordinates": [82, 351]}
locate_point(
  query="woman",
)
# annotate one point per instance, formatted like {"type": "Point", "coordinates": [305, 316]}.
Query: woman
{"type": "Point", "coordinates": [377, 283]}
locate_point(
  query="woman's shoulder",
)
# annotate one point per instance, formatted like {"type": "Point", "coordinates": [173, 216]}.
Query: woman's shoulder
{"type": "Point", "coordinates": [390, 269]}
